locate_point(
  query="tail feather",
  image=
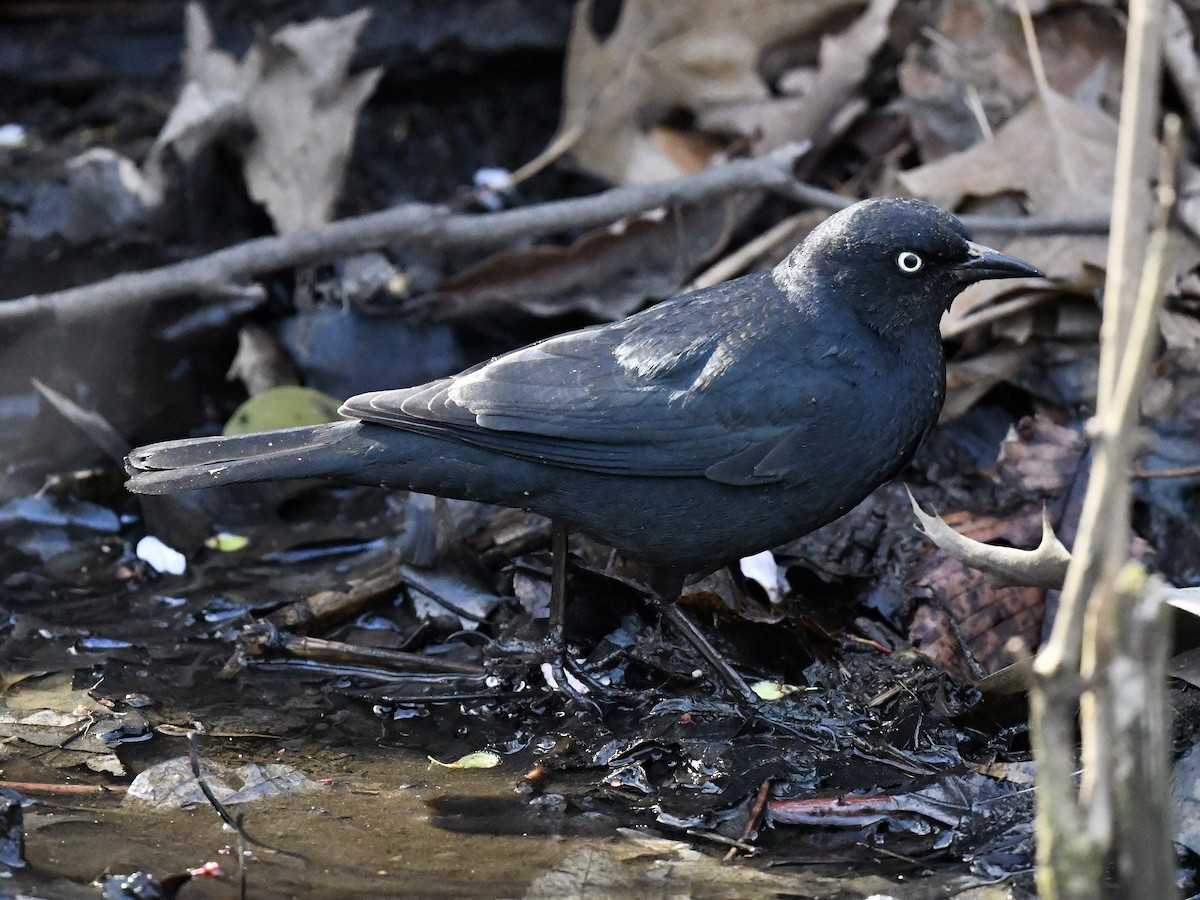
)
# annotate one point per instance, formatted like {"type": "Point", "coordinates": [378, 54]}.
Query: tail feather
{"type": "Point", "coordinates": [306, 452]}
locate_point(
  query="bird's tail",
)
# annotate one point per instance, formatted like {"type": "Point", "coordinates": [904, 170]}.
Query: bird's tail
{"type": "Point", "coordinates": [311, 451]}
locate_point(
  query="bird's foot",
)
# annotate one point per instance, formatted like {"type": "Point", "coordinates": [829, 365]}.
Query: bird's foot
{"type": "Point", "coordinates": [716, 662]}
{"type": "Point", "coordinates": [566, 677]}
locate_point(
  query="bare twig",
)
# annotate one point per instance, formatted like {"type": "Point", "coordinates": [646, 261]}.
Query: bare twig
{"type": "Point", "coordinates": [213, 274]}
{"type": "Point", "coordinates": [1137, 156]}
{"type": "Point", "coordinates": [1106, 627]}
{"type": "Point", "coordinates": [735, 263]}
{"type": "Point", "coordinates": [1043, 566]}
{"type": "Point", "coordinates": [413, 223]}
{"type": "Point", "coordinates": [1058, 136]}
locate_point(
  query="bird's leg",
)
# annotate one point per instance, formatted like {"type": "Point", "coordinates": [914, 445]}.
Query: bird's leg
{"type": "Point", "coordinates": [665, 592]}
{"type": "Point", "coordinates": [556, 631]}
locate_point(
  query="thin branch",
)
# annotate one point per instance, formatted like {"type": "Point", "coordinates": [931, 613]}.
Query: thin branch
{"type": "Point", "coordinates": [412, 223]}
{"type": "Point", "coordinates": [1045, 566]}
{"type": "Point", "coordinates": [211, 275]}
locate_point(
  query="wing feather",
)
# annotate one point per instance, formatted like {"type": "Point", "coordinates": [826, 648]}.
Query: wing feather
{"type": "Point", "coordinates": [638, 397]}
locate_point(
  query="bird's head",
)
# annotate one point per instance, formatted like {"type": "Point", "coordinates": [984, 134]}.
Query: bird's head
{"type": "Point", "coordinates": [896, 262]}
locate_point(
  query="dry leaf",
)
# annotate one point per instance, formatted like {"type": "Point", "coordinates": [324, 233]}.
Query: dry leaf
{"type": "Point", "coordinates": [976, 56]}
{"type": "Point", "coordinates": [661, 57]}
{"type": "Point", "coordinates": [608, 272]}
{"type": "Point", "coordinates": [294, 90]}
{"type": "Point", "coordinates": [304, 106]}
{"type": "Point", "coordinates": [845, 60]}
{"type": "Point", "coordinates": [211, 101]}
{"type": "Point", "coordinates": [1173, 394]}
{"type": "Point", "coordinates": [965, 621]}
{"type": "Point", "coordinates": [969, 379]}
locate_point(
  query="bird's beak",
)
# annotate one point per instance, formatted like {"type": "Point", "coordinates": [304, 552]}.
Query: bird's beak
{"type": "Point", "coordinates": [983, 263]}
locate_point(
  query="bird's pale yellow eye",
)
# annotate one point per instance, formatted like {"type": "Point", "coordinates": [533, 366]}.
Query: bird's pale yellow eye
{"type": "Point", "coordinates": [909, 263]}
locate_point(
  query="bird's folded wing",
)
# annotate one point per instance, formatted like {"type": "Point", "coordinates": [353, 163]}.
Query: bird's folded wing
{"type": "Point", "coordinates": [657, 398]}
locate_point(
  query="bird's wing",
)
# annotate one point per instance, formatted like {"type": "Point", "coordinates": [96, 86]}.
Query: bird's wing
{"type": "Point", "coordinates": [682, 390]}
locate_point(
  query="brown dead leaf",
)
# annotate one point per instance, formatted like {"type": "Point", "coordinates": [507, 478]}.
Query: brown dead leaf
{"type": "Point", "coordinates": [969, 379]}
{"type": "Point", "coordinates": [844, 63]}
{"type": "Point", "coordinates": [976, 56]}
{"type": "Point", "coordinates": [1057, 152]}
{"type": "Point", "coordinates": [661, 57]}
{"type": "Point", "coordinates": [608, 272]}
{"type": "Point", "coordinates": [688, 150]}
{"type": "Point", "coordinates": [1173, 394]}
{"type": "Point", "coordinates": [963, 621]}
{"type": "Point", "coordinates": [1039, 459]}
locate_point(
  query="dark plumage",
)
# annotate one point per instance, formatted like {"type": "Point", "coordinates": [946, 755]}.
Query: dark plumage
{"type": "Point", "coordinates": [712, 426]}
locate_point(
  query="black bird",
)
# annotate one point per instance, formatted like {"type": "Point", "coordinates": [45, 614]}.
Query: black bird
{"type": "Point", "coordinates": [710, 427]}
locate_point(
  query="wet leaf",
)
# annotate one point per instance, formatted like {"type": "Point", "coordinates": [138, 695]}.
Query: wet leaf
{"type": "Point", "coordinates": [227, 543]}
{"type": "Point", "coordinates": [481, 759]}
{"type": "Point", "coordinates": [67, 724]}
{"type": "Point", "coordinates": [774, 690]}
{"type": "Point", "coordinates": [282, 407]}
{"type": "Point", "coordinates": [644, 863]}
{"type": "Point", "coordinates": [171, 785]}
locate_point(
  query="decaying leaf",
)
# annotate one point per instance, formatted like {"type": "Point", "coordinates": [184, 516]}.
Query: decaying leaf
{"type": "Point", "coordinates": [1039, 459]}
{"type": "Point", "coordinates": [609, 273]}
{"type": "Point", "coordinates": [844, 63]}
{"type": "Point", "coordinates": [964, 620]}
{"type": "Point", "coordinates": [643, 863]}
{"type": "Point", "coordinates": [67, 725]}
{"type": "Point", "coordinates": [171, 783]}
{"type": "Point", "coordinates": [293, 88]}
{"type": "Point", "coordinates": [688, 55]}
{"type": "Point", "coordinates": [973, 73]}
